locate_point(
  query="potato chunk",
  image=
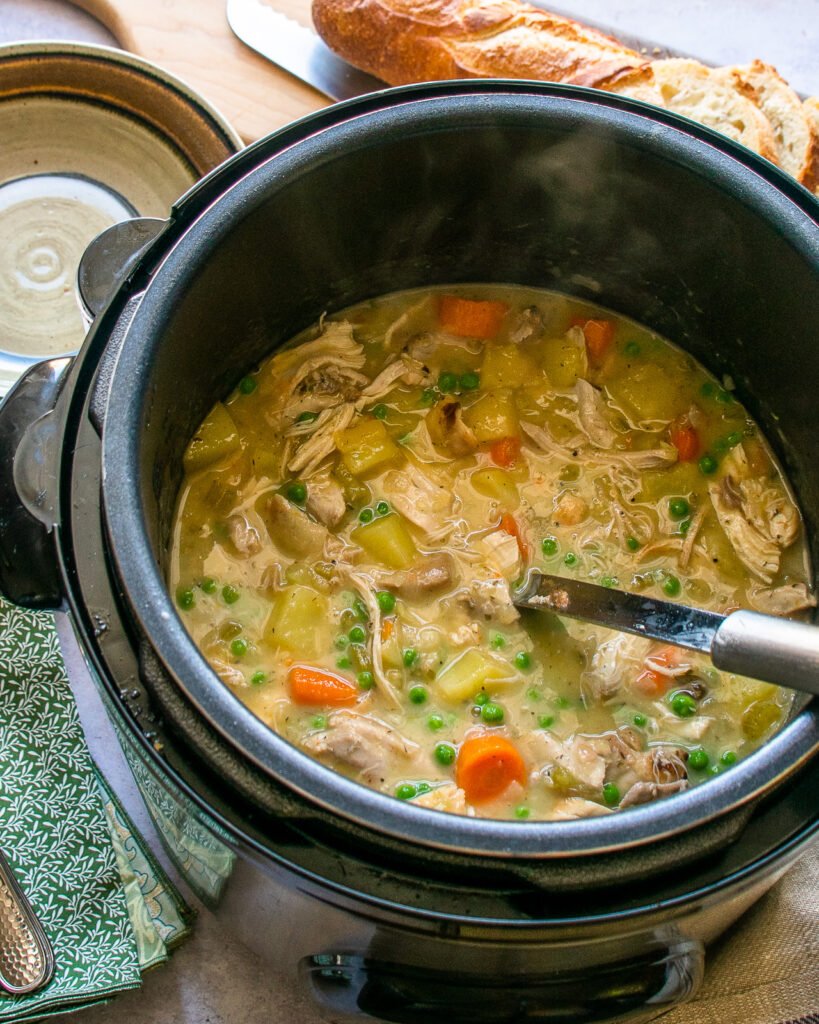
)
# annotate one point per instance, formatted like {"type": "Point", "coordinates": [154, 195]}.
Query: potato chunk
{"type": "Point", "coordinates": [464, 677]}
{"type": "Point", "coordinates": [492, 417]}
{"type": "Point", "coordinates": [387, 540]}
{"type": "Point", "coordinates": [216, 438]}
{"type": "Point", "coordinates": [298, 621]}
{"type": "Point", "coordinates": [365, 446]}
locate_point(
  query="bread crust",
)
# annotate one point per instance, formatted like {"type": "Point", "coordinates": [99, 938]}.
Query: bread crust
{"type": "Point", "coordinates": [404, 41]}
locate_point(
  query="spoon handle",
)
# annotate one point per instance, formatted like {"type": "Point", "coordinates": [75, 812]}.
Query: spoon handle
{"type": "Point", "coordinates": [26, 956]}
{"type": "Point", "coordinates": [769, 648]}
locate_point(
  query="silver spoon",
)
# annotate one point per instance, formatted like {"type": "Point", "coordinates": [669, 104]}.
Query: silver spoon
{"type": "Point", "coordinates": [764, 647]}
{"type": "Point", "coordinates": [26, 956]}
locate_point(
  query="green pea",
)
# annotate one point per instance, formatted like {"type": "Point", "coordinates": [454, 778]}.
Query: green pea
{"type": "Point", "coordinates": [319, 721]}
{"type": "Point", "coordinates": [406, 791]}
{"type": "Point", "coordinates": [357, 635]}
{"type": "Point", "coordinates": [469, 381]}
{"type": "Point", "coordinates": [728, 757]}
{"type": "Point", "coordinates": [522, 812]}
{"type": "Point", "coordinates": [562, 702]}
{"type": "Point", "coordinates": [365, 515]}
{"type": "Point", "coordinates": [429, 396]}
{"type": "Point", "coordinates": [523, 661]}
{"type": "Point", "coordinates": [343, 662]}
{"type": "Point", "coordinates": [418, 694]}
{"type": "Point", "coordinates": [208, 585]}
{"type": "Point", "coordinates": [492, 714]}
{"type": "Point", "coordinates": [497, 642]}
{"type": "Point", "coordinates": [380, 411]}
{"type": "Point", "coordinates": [296, 492]}
{"type": "Point", "coordinates": [708, 389]}
{"type": "Point", "coordinates": [685, 526]}
{"type": "Point", "coordinates": [386, 601]}
{"type": "Point", "coordinates": [640, 720]}
{"type": "Point", "coordinates": [445, 754]}
{"type": "Point", "coordinates": [409, 657]}
{"type": "Point", "coordinates": [733, 439]}
{"type": "Point", "coordinates": [545, 721]}
{"type": "Point", "coordinates": [683, 705]}
{"type": "Point", "coordinates": [549, 546]}
{"type": "Point", "coordinates": [633, 544]}
{"type": "Point", "coordinates": [238, 647]}
{"type": "Point", "coordinates": [481, 698]}
{"type": "Point", "coordinates": [533, 693]}
{"type": "Point", "coordinates": [678, 508]}
{"type": "Point", "coordinates": [435, 722]}
{"type": "Point", "coordinates": [608, 581]}
{"type": "Point", "coordinates": [342, 642]}
{"type": "Point", "coordinates": [185, 598]}
{"type": "Point", "coordinates": [307, 417]}
{"type": "Point", "coordinates": [724, 396]}
{"type": "Point", "coordinates": [671, 586]}
{"type": "Point", "coordinates": [698, 759]}
{"type": "Point", "coordinates": [382, 508]}
{"type": "Point", "coordinates": [570, 559]}
{"type": "Point", "coordinates": [247, 385]}
{"type": "Point", "coordinates": [423, 787]}
{"type": "Point", "coordinates": [632, 348]}
{"type": "Point", "coordinates": [708, 465]}
{"type": "Point", "coordinates": [611, 794]}
{"type": "Point", "coordinates": [447, 383]}
{"type": "Point", "coordinates": [258, 678]}
{"type": "Point", "coordinates": [230, 593]}
{"type": "Point", "coordinates": [366, 680]}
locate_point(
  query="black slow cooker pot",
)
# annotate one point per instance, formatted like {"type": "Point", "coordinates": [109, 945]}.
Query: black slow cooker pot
{"type": "Point", "coordinates": [389, 910]}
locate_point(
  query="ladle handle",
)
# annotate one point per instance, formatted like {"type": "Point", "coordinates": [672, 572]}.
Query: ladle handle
{"type": "Point", "coordinates": [769, 648]}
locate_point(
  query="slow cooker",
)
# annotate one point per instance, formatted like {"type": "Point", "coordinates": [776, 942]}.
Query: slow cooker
{"type": "Point", "coordinates": [390, 911]}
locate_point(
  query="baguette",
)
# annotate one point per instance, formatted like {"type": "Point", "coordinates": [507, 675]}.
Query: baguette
{"type": "Point", "coordinates": [811, 108]}
{"type": "Point", "coordinates": [405, 41]}
{"type": "Point", "coordinates": [795, 136]}
{"type": "Point", "coordinates": [688, 87]}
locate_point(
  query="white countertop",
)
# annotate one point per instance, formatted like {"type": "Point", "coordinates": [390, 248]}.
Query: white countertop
{"type": "Point", "coordinates": [212, 979]}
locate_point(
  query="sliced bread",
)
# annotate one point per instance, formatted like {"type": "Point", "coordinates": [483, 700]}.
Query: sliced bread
{"type": "Point", "coordinates": [688, 87]}
{"type": "Point", "coordinates": [795, 137]}
{"type": "Point", "coordinates": [811, 108]}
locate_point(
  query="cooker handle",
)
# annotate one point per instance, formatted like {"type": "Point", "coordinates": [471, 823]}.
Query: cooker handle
{"type": "Point", "coordinates": [351, 988]}
{"type": "Point", "coordinates": [29, 573]}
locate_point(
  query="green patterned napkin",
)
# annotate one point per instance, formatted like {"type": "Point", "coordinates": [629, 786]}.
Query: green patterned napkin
{"type": "Point", "coordinates": [106, 905]}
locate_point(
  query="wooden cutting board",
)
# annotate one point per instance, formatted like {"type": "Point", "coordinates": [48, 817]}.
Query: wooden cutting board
{"type": "Point", "coordinates": [192, 40]}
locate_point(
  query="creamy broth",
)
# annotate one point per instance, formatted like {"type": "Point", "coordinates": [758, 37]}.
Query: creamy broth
{"type": "Point", "coordinates": [354, 515]}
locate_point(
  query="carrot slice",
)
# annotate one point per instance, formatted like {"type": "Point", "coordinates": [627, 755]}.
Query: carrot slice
{"type": "Point", "coordinates": [657, 684]}
{"type": "Point", "coordinates": [468, 318]}
{"type": "Point", "coordinates": [387, 629]}
{"type": "Point", "coordinates": [505, 452]}
{"type": "Point", "coordinates": [510, 525]}
{"type": "Point", "coordinates": [686, 440]}
{"type": "Point", "coordinates": [487, 765]}
{"type": "Point", "coordinates": [599, 335]}
{"type": "Point", "coordinates": [317, 686]}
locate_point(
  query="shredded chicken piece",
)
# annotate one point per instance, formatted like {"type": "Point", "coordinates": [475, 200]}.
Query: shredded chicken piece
{"type": "Point", "coordinates": [529, 323]}
{"type": "Point", "coordinates": [429, 575]}
{"type": "Point", "coordinates": [770, 510]}
{"type": "Point", "coordinates": [577, 755]}
{"type": "Point", "coordinates": [362, 742]}
{"type": "Point", "coordinates": [691, 537]}
{"type": "Point", "coordinates": [616, 658]}
{"type": "Point", "coordinates": [322, 441]}
{"type": "Point", "coordinates": [467, 634]}
{"type": "Point", "coordinates": [293, 530]}
{"type": "Point", "coordinates": [786, 599]}
{"type": "Point", "coordinates": [325, 500]}
{"type": "Point", "coordinates": [244, 537]}
{"type": "Point", "coordinates": [757, 552]}
{"type": "Point", "coordinates": [445, 798]}
{"type": "Point", "coordinates": [643, 792]}
{"type": "Point", "coordinates": [396, 333]}
{"type": "Point", "coordinates": [502, 553]}
{"type": "Point", "coordinates": [228, 673]}
{"type": "Point", "coordinates": [651, 458]}
{"type": "Point", "coordinates": [447, 428]}
{"type": "Point", "coordinates": [490, 598]}
{"type": "Point", "coordinates": [572, 807]}
{"type": "Point", "coordinates": [365, 590]}
{"type": "Point", "coordinates": [419, 443]}
{"type": "Point", "coordinates": [422, 500]}
{"type": "Point", "coordinates": [593, 414]}
{"type": "Point", "coordinates": [406, 369]}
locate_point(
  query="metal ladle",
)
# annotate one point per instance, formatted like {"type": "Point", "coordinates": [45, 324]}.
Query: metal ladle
{"type": "Point", "coordinates": [26, 956]}
{"type": "Point", "coordinates": [763, 647]}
